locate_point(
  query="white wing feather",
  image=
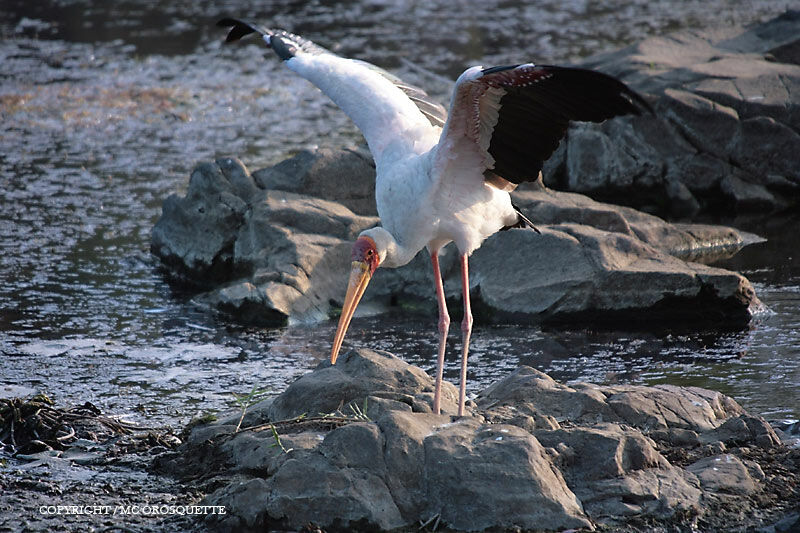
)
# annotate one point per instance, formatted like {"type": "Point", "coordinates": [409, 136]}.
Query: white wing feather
{"type": "Point", "coordinates": [392, 124]}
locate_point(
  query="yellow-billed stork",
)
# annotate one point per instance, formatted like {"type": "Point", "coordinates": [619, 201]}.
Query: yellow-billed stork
{"type": "Point", "coordinates": [445, 177]}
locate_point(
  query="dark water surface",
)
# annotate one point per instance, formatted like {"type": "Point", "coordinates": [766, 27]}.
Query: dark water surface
{"type": "Point", "coordinates": [105, 110]}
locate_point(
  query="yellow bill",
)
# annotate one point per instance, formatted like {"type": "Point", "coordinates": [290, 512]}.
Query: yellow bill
{"type": "Point", "coordinates": [359, 279]}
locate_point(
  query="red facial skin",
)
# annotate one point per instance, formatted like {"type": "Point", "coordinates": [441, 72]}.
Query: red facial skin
{"type": "Point", "coordinates": [365, 250]}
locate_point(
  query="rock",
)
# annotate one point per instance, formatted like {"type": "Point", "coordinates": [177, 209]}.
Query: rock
{"type": "Point", "coordinates": [322, 173]}
{"type": "Point", "coordinates": [653, 493]}
{"type": "Point", "coordinates": [356, 375]}
{"type": "Point", "coordinates": [195, 234]}
{"type": "Point", "coordinates": [533, 392]}
{"type": "Point", "coordinates": [723, 473]}
{"type": "Point", "coordinates": [245, 505]}
{"type": "Point", "coordinates": [680, 413]}
{"type": "Point", "coordinates": [406, 466]}
{"type": "Point", "coordinates": [496, 477]}
{"type": "Point", "coordinates": [725, 105]}
{"type": "Point", "coordinates": [602, 277]}
{"type": "Point", "coordinates": [686, 241]}
{"type": "Point", "coordinates": [706, 125]}
{"type": "Point", "coordinates": [589, 455]}
{"type": "Point", "coordinates": [404, 456]}
{"type": "Point", "coordinates": [310, 488]}
{"type": "Point", "coordinates": [296, 250]}
{"type": "Point", "coordinates": [275, 254]}
{"type": "Point", "coordinates": [286, 254]}
{"type": "Point", "coordinates": [671, 407]}
{"type": "Point", "coordinates": [602, 451]}
{"type": "Point", "coordinates": [744, 429]}
{"type": "Point", "coordinates": [747, 196]}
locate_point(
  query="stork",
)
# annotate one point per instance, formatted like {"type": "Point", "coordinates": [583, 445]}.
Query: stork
{"type": "Point", "coordinates": [442, 176]}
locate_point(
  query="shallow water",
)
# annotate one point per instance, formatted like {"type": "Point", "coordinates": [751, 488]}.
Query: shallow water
{"type": "Point", "coordinates": [104, 112]}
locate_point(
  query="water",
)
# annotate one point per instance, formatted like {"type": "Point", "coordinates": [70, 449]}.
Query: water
{"type": "Point", "coordinates": [105, 110]}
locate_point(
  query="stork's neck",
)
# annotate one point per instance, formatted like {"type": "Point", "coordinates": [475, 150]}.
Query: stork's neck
{"type": "Point", "coordinates": [392, 253]}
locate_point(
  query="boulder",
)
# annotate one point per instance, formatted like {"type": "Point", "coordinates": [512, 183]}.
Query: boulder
{"type": "Point", "coordinates": [283, 254]}
{"type": "Point", "coordinates": [195, 234]}
{"type": "Point", "coordinates": [690, 242]}
{"type": "Point", "coordinates": [579, 273]}
{"type": "Point", "coordinates": [724, 137]}
{"type": "Point", "coordinates": [589, 455]}
{"type": "Point", "coordinates": [658, 410]}
{"type": "Point", "coordinates": [273, 253]}
{"type": "Point", "coordinates": [322, 172]}
{"type": "Point", "coordinates": [496, 476]}
{"type": "Point", "coordinates": [356, 376]}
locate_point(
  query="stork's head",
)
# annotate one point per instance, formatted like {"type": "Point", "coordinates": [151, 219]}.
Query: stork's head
{"type": "Point", "coordinates": [368, 253]}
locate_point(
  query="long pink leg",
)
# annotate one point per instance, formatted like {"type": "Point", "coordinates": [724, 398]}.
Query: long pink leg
{"type": "Point", "coordinates": [444, 326]}
{"type": "Point", "coordinates": [466, 331]}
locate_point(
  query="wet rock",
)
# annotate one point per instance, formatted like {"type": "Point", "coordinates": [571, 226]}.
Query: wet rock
{"type": "Point", "coordinates": [195, 234]}
{"type": "Point", "coordinates": [587, 455]}
{"type": "Point", "coordinates": [724, 138]}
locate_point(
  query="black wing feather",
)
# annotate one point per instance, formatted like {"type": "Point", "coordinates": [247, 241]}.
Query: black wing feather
{"type": "Point", "coordinates": [534, 116]}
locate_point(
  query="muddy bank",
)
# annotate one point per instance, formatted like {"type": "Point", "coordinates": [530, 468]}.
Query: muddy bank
{"type": "Point", "coordinates": [77, 469]}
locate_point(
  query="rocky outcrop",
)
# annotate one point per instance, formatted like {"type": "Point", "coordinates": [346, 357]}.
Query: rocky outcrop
{"type": "Point", "coordinates": [724, 138]}
{"type": "Point", "coordinates": [271, 253]}
{"type": "Point", "coordinates": [283, 252]}
{"type": "Point", "coordinates": [726, 133]}
{"type": "Point", "coordinates": [532, 454]}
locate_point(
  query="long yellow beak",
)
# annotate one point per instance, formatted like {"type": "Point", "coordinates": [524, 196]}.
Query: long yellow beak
{"type": "Point", "coordinates": [359, 279]}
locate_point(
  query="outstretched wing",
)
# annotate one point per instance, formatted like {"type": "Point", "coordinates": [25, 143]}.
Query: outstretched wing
{"type": "Point", "coordinates": [515, 116]}
{"type": "Point", "coordinates": [389, 112]}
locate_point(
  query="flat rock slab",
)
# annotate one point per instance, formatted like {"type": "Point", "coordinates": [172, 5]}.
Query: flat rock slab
{"type": "Point", "coordinates": [532, 454]}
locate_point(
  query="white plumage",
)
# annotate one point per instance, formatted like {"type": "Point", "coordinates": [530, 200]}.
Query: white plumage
{"type": "Point", "coordinates": [445, 177]}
